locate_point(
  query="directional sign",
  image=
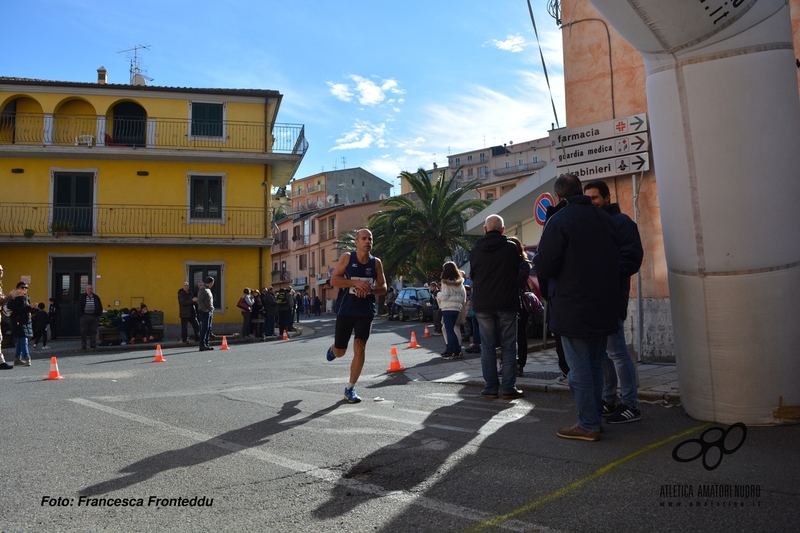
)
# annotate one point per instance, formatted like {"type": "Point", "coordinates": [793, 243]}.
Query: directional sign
{"type": "Point", "coordinates": [596, 132]}
{"type": "Point", "coordinates": [599, 150]}
{"type": "Point", "coordinates": [612, 167]}
{"type": "Point", "coordinates": [544, 201]}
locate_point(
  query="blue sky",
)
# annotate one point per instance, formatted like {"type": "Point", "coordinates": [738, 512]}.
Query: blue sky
{"type": "Point", "coordinates": [387, 86]}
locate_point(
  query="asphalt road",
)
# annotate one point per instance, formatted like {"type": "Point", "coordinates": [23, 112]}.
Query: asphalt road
{"type": "Point", "coordinates": [259, 438]}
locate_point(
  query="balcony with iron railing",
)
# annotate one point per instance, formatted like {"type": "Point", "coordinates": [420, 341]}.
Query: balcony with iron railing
{"type": "Point", "coordinates": [281, 276]}
{"type": "Point", "coordinates": [170, 224]}
{"type": "Point", "coordinates": [528, 167]}
{"type": "Point", "coordinates": [32, 129]}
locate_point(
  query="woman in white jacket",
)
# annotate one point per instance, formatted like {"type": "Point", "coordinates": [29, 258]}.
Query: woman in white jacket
{"type": "Point", "coordinates": [451, 298]}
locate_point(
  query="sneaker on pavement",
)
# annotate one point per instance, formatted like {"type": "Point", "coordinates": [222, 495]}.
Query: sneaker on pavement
{"type": "Point", "coordinates": [351, 396]}
{"type": "Point", "coordinates": [608, 408]}
{"type": "Point", "coordinates": [45, 347]}
{"type": "Point", "coordinates": [26, 362]}
{"type": "Point", "coordinates": [516, 393]}
{"type": "Point", "coordinates": [623, 414]}
{"type": "Point", "coordinates": [330, 356]}
{"type": "Point", "coordinates": [6, 366]}
{"type": "Point", "coordinates": [35, 346]}
{"type": "Point", "coordinates": [19, 362]}
{"type": "Point", "coordinates": [489, 395]}
{"type": "Point", "coordinates": [578, 433]}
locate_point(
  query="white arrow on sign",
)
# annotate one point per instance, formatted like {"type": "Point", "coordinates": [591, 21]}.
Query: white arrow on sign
{"type": "Point", "coordinates": [599, 150]}
{"type": "Point", "coordinates": [613, 166]}
{"type": "Point", "coordinates": [599, 131]}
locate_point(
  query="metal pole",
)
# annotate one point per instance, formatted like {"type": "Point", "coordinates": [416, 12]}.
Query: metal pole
{"type": "Point", "coordinates": [640, 311]}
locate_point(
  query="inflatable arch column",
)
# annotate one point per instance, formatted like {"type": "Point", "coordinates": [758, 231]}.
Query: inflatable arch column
{"type": "Point", "coordinates": [725, 121]}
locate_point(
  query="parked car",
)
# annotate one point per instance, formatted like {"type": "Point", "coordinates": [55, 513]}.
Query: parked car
{"type": "Point", "coordinates": [414, 302]}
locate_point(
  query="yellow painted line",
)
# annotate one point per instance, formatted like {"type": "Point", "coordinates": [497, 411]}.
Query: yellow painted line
{"type": "Point", "coordinates": [563, 491]}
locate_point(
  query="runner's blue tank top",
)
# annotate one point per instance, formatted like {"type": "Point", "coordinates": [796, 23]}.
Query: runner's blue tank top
{"type": "Point", "coordinates": [347, 303]}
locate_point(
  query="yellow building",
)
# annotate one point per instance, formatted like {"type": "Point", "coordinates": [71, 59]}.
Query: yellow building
{"type": "Point", "coordinates": [135, 189]}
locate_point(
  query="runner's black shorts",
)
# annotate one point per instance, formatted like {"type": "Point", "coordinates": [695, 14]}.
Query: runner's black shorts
{"type": "Point", "coordinates": [346, 325]}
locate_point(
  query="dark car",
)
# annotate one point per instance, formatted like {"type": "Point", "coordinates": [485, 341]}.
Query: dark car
{"type": "Point", "coordinates": [414, 302]}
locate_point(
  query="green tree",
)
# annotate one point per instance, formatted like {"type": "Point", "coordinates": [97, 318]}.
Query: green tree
{"type": "Point", "coordinates": [414, 237]}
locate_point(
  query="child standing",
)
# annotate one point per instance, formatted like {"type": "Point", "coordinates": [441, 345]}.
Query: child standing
{"type": "Point", "coordinates": [40, 322]}
{"type": "Point", "coordinates": [122, 322]}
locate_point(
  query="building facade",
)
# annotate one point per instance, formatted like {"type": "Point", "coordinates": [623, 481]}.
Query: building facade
{"type": "Point", "coordinates": [135, 189]}
{"type": "Point", "coordinates": [305, 249]}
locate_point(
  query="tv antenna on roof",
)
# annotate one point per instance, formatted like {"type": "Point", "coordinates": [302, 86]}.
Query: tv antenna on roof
{"type": "Point", "coordinates": [137, 78]}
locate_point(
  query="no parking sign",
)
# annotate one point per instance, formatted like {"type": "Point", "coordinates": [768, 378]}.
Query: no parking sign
{"type": "Point", "coordinates": [544, 201]}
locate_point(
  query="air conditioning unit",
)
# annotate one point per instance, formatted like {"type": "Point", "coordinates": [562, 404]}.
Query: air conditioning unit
{"type": "Point", "coordinates": [319, 276]}
{"type": "Point", "coordinates": [292, 281]}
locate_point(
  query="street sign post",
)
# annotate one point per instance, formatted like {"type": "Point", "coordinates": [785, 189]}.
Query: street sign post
{"type": "Point", "coordinates": [610, 148]}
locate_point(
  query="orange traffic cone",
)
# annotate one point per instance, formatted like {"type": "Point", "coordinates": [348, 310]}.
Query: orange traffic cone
{"type": "Point", "coordinates": [414, 341]}
{"type": "Point", "coordinates": [224, 343]}
{"type": "Point", "coordinates": [285, 336]}
{"type": "Point", "coordinates": [427, 333]}
{"type": "Point", "coordinates": [159, 356]}
{"type": "Point", "coordinates": [395, 365]}
{"type": "Point", "coordinates": [54, 373]}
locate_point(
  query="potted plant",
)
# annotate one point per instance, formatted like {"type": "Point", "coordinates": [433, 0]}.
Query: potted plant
{"type": "Point", "coordinates": [60, 228]}
{"type": "Point", "coordinates": [28, 233]}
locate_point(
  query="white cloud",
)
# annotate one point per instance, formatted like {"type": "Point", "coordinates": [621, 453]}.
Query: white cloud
{"type": "Point", "coordinates": [487, 117]}
{"type": "Point", "coordinates": [367, 91]}
{"type": "Point", "coordinates": [340, 91]}
{"type": "Point", "coordinates": [362, 135]}
{"type": "Point", "coordinates": [512, 43]}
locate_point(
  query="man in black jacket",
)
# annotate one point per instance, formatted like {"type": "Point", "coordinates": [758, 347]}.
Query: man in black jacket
{"type": "Point", "coordinates": [617, 361]}
{"type": "Point", "coordinates": [188, 313]}
{"type": "Point", "coordinates": [494, 265]}
{"type": "Point", "coordinates": [89, 310]}
{"type": "Point", "coordinates": [579, 254]}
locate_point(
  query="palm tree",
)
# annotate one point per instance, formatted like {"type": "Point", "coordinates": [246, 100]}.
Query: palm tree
{"type": "Point", "coordinates": [415, 237]}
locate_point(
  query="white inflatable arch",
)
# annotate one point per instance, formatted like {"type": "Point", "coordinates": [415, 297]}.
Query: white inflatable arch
{"type": "Point", "coordinates": [725, 120]}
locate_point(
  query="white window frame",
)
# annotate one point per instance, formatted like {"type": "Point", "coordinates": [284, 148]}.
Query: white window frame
{"type": "Point", "coordinates": [191, 137]}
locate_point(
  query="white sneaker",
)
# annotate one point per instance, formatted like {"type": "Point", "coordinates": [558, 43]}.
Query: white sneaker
{"type": "Point", "coordinates": [45, 347]}
{"type": "Point", "coordinates": [122, 344]}
{"type": "Point", "coordinates": [35, 346]}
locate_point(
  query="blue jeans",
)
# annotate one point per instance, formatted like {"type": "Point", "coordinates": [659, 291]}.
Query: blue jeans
{"type": "Point", "coordinates": [21, 348]}
{"type": "Point", "coordinates": [205, 318]}
{"type": "Point", "coordinates": [502, 324]}
{"type": "Point", "coordinates": [584, 356]}
{"type": "Point", "coordinates": [618, 362]}
{"type": "Point", "coordinates": [453, 343]}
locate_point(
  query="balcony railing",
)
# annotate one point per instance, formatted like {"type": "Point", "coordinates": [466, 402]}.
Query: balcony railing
{"type": "Point", "coordinates": [105, 220]}
{"type": "Point", "coordinates": [518, 168]}
{"type": "Point", "coordinates": [151, 132]}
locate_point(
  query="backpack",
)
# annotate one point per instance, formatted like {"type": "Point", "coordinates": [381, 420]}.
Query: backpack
{"type": "Point", "coordinates": [281, 297]}
{"type": "Point", "coordinates": [532, 305]}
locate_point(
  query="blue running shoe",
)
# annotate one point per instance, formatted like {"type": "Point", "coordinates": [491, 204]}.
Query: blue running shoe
{"type": "Point", "coordinates": [351, 395]}
{"type": "Point", "coordinates": [330, 356]}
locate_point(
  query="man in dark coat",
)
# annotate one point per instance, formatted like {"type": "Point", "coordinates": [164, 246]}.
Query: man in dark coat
{"type": "Point", "coordinates": [494, 265]}
{"type": "Point", "coordinates": [579, 254]}
{"type": "Point", "coordinates": [188, 313]}
{"type": "Point", "coordinates": [270, 304]}
{"type": "Point", "coordinates": [89, 310]}
{"type": "Point", "coordinates": [618, 360]}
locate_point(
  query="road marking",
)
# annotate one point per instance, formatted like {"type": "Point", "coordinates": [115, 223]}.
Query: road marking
{"type": "Point", "coordinates": [563, 491]}
{"type": "Point", "coordinates": [405, 497]}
